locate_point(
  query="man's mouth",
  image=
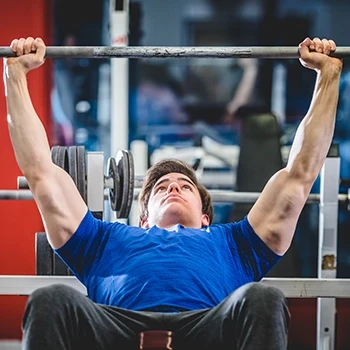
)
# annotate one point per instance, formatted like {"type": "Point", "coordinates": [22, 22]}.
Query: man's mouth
{"type": "Point", "coordinates": [171, 196]}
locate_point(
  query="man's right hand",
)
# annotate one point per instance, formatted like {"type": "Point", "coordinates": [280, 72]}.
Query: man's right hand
{"type": "Point", "coordinates": [30, 54]}
{"type": "Point", "coordinates": [315, 54]}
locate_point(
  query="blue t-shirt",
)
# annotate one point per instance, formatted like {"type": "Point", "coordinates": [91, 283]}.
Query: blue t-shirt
{"type": "Point", "coordinates": [181, 268]}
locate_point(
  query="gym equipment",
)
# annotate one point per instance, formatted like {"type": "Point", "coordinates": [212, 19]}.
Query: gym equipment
{"type": "Point", "coordinates": [285, 52]}
{"type": "Point", "coordinates": [326, 289]}
{"type": "Point", "coordinates": [121, 182]}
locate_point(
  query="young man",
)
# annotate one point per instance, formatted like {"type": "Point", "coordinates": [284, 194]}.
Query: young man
{"type": "Point", "coordinates": [175, 272]}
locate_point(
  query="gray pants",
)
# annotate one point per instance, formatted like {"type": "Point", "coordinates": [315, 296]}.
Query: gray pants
{"type": "Point", "coordinates": [252, 317]}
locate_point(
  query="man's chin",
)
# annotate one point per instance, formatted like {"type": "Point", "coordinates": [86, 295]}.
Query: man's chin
{"type": "Point", "coordinates": [174, 213]}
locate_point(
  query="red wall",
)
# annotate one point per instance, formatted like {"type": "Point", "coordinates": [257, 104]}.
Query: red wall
{"type": "Point", "coordinates": [19, 220]}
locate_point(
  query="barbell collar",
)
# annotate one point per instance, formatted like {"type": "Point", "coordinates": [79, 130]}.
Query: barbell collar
{"type": "Point", "coordinates": [22, 183]}
{"type": "Point", "coordinates": [283, 52]}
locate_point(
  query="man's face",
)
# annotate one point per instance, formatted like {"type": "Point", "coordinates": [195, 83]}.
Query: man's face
{"type": "Point", "coordinates": [175, 200]}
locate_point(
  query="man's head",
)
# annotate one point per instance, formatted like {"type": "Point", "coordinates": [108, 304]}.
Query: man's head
{"type": "Point", "coordinates": [171, 194]}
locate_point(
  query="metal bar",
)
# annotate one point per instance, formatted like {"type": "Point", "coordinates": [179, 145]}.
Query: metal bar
{"type": "Point", "coordinates": [173, 51]}
{"type": "Point", "coordinates": [16, 195]}
{"type": "Point", "coordinates": [291, 287]}
{"type": "Point", "coordinates": [108, 182]}
{"type": "Point", "coordinates": [217, 196]}
{"type": "Point", "coordinates": [25, 285]}
{"type": "Point", "coordinates": [327, 247]}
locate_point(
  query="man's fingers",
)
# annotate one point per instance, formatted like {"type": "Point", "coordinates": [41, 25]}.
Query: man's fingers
{"type": "Point", "coordinates": [318, 45]}
{"type": "Point", "coordinates": [308, 43]}
{"type": "Point", "coordinates": [14, 44]}
{"type": "Point", "coordinates": [304, 46]}
{"type": "Point", "coordinates": [333, 45]}
{"type": "Point", "coordinates": [40, 47]}
{"type": "Point", "coordinates": [324, 46]}
{"type": "Point", "coordinates": [20, 46]}
{"type": "Point", "coordinates": [28, 45]}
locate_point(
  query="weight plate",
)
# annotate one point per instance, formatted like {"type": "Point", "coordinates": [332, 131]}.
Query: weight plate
{"type": "Point", "coordinates": [123, 171]}
{"type": "Point", "coordinates": [130, 194]}
{"type": "Point", "coordinates": [54, 154]}
{"type": "Point", "coordinates": [81, 172]}
{"type": "Point", "coordinates": [43, 255]}
{"type": "Point", "coordinates": [62, 158]}
{"type": "Point", "coordinates": [114, 193]}
{"type": "Point", "coordinates": [72, 163]}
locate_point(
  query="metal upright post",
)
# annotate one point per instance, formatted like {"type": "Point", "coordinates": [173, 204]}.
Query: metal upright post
{"type": "Point", "coordinates": [327, 247]}
{"type": "Point", "coordinates": [119, 30]}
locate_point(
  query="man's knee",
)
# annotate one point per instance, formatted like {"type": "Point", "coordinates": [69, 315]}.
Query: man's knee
{"type": "Point", "coordinates": [52, 295]}
{"type": "Point", "coordinates": [258, 296]}
{"type": "Point", "coordinates": [258, 291]}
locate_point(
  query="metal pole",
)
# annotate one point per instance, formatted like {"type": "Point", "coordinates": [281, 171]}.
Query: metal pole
{"type": "Point", "coordinates": [119, 99]}
{"type": "Point", "coordinates": [16, 195]}
{"type": "Point", "coordinates": [327, 250]}
{"type": "Point", "coordinates": [285, 52]}
{"type": "Point", "coordinates": [217, 195]}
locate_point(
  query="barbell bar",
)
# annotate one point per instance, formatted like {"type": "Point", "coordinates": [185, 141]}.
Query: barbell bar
{"type": "Point", "coordinates": [22, 183]}
{"type": "Point", "coordinates": [216, 195]}
{"type": "Point", "coordinates": [285, 52]}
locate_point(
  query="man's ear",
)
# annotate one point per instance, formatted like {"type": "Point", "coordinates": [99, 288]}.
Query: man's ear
{"type": "Point", "coordinates": [144, 223]}
{"type": "Point", "coordinates": [205, 220]}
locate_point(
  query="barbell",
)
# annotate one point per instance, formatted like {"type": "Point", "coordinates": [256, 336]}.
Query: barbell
{"type": "Point", "coordinates": [283, 52]}
{"type": "Point", "coordinates": [122, 184]}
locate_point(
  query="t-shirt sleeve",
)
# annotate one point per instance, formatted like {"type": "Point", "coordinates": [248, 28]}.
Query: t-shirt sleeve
{"type": "Point", "coordinates": [256, 257]}
{"type": "Point", "coordinates": [83, 249]}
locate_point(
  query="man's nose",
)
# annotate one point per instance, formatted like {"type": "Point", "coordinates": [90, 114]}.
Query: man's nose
{"type": "Point", "coordinates": [173, 186]}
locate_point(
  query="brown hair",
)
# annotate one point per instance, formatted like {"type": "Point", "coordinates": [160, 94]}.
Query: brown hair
{"type": "Point", "coordinates": [166, 166]}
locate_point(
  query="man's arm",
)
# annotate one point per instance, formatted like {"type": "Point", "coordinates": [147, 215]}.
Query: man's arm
{"type": "Point", "coordinates": [275, 214]}
{"type": "Point", "coordinates": [55, 193]}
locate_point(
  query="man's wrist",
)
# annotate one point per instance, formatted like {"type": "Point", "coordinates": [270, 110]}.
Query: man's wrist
{"type": "Point", "coordinates": [331, 70]}
{"type": "Point", "coordinates": [15, 72]}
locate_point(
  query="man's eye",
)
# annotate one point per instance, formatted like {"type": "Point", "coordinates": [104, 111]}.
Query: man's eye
{"type": "Point", "coordinates": [161, 188]}
{"type": "Point", "coordinates": [186, 187]}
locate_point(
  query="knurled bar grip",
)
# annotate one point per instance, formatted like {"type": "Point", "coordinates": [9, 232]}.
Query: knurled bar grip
{"type": "Point", "coordinates": [173, 51]}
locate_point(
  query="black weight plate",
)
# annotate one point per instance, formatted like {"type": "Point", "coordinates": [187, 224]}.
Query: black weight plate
{"type": "Point", "coordinates": [131, 182]}
{"type": "Point", "coordinates": [123, 171]}
{"type": "Point", "coordinates": [43, 255]}
{"type": "Point", "coordinates": [114, 193]}
{"type": "Point", "coordinates": [54, 154]}
{"type": "Point", "coordinates": [81, 172]}
{"type": "Point", "coordinates": [62, 158]}
{"type": "Point", "coordinates": [59, 267]}
{"type": "Point", "coordinates": [72, 163]}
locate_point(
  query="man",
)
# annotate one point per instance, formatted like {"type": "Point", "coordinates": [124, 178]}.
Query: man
{"type": "Point", "coordinates": [175, 272]}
